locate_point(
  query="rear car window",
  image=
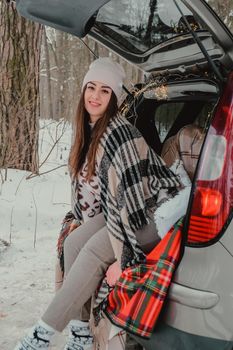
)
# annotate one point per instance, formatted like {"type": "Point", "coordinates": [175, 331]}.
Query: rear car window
{"type": "Point", "coordinates": [167, 113]}
{"type": "Point", "coordinates": [139, 25]}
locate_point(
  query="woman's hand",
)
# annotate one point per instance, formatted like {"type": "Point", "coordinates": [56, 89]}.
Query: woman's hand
{"type": "Point", "coordinates": [113, 273]}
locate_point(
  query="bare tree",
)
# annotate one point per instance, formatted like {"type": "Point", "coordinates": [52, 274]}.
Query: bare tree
{"type": "Point", "coordinates": [20, 42]}
{"type": "Point", "coordinates": [224, 9]}
{"type": "Point", "coordinates": [48, 73]}
{"type": "Point", "coordinates": [153, 4]}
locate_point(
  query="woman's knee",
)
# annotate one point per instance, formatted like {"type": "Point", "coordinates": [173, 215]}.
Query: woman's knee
{"type": "Point", "coordinates": [100, 248]}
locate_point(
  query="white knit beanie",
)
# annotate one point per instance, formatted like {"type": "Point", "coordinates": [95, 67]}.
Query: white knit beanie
{"type": "Point", "coordinates": [106, 71]}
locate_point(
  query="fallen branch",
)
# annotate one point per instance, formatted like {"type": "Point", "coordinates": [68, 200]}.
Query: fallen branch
{"type": "Point", "coordinates": [49, 153]}
{"type": "Point", "coordinates": [52, 148]}
{"type": "Point", "coordinates": [45, 172]}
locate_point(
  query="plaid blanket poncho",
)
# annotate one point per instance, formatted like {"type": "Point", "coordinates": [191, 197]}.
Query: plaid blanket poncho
{"type": "Point", "coordinates": [133, 182]}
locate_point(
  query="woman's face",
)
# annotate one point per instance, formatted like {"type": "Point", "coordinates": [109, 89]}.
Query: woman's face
{"type": "Point", "coordinates": [96, 99]}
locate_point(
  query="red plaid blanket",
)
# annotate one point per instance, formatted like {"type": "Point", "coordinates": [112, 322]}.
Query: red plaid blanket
{"type": "Point", "coordinates": [137, 299]}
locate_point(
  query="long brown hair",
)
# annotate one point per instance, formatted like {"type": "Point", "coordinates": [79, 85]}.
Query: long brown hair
{"type": "Point", "coordinates": [86, 141]}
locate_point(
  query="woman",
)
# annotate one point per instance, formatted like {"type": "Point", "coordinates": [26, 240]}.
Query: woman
{"type": "Point", "coordinates": [118, 181]}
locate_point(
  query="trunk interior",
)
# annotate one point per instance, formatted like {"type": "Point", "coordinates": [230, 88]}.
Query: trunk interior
{"type": "Point", "coordinates": [169, 101]}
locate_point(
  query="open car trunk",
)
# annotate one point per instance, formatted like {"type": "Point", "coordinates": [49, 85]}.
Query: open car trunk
{"type": "Point", "coordinates": [151, 34]}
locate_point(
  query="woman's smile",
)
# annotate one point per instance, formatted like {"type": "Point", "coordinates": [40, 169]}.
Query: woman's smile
{"type": "Point", "coordinates": [94, 104]}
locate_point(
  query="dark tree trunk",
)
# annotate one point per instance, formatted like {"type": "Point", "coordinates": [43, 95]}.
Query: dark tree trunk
{"type": "Point", "coordinates": [153, 4]}
{"type": "Point", "coordinates": [20, 42]}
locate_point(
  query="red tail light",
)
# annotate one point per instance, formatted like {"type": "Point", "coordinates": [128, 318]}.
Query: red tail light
{"type": "Point", "coordinates": [211, 201]}
{"type": "Point", "coordinates": [213, 195]}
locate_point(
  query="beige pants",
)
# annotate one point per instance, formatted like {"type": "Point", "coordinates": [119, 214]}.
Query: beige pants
{"type": "Point", "coordinates": [87, 255]}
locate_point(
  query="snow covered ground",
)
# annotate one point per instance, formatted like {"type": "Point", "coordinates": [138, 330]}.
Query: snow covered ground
{"type": "Point", "coordinates": [30, 215]}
